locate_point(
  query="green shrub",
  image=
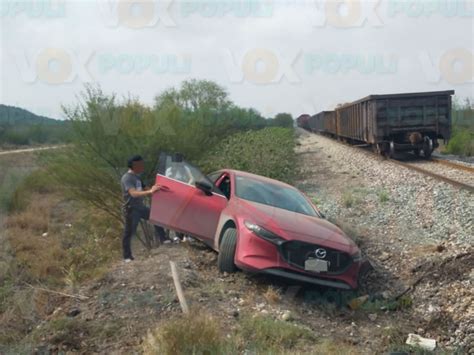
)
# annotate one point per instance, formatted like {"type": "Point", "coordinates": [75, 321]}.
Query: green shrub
{"type": "Point", "coordinates": [461, 143]}
{"type": "Point", "coordinates": [268, 152]}
{"type": "Point", "coordinates": [38, 181]}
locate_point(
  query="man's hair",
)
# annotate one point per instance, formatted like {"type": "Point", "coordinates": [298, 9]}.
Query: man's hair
{"type": "Point", "coordinates": [134, 159]}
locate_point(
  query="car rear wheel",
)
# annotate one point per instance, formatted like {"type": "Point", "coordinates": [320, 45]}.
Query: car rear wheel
{"type": "Point", "coordinates": [225, 259]}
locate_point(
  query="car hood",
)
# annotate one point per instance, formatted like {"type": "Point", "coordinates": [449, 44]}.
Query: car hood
{"type": "Point", "coordinates": [296, 226]}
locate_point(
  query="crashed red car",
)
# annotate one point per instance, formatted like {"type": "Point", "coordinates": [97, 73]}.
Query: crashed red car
{"type": "Point", "coordinates": [256, 224]}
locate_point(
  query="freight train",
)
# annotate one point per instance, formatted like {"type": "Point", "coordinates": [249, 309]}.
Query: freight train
{"type": "Point", "coordinates": [389, 123]}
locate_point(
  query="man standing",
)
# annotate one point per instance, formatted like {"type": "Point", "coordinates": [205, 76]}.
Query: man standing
{"type": "Point", "coordinates": [134, 209]}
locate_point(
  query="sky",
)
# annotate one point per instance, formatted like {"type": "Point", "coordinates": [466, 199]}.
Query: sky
{"type": "Point", "coordinates": [275, 56]}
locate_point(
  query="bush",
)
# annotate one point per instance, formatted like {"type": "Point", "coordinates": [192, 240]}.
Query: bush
{"type": "Point", "coordinates": [268, 152]}
{"type": "Point", "coordinates": [462, 137]}
{"type": "Point", "coordinates": [38, 181]}
{"type": "Point", "coordinates": [461, 143]}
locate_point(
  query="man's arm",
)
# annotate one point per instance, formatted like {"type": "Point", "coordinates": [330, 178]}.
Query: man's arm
{"type": "Point", "coordinates": [135, 193]}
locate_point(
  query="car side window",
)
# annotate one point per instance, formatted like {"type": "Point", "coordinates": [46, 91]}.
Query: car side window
{"type": "Point", "coordinates": [181, 171]}
{"type": "Point", "coordinates": [224, 186]}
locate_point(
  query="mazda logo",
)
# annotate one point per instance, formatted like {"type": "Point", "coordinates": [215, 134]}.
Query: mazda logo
{"type": "Point", "coordinates": [320, 253]}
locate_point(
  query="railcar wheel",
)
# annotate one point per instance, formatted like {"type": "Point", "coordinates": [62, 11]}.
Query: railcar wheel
{"type": "Point", "coordinates": [427, 147]}
{"type": "Point", "coordinates": [378, 149]}
{"type": "Point", "coordinates": [391, 152]}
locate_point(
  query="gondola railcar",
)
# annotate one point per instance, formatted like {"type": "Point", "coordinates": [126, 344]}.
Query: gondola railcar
{"type": "Point", "coordinates": [397, 122]}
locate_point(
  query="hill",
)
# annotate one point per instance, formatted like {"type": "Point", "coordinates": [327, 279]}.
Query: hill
{"type": "Point", "coordinates": [16, 115]}
{"type": "Point", "coordinates": [19, 127]}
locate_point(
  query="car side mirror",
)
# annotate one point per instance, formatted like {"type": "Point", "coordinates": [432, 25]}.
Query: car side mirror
{"type": "Point", "coordinates": [205, 187]}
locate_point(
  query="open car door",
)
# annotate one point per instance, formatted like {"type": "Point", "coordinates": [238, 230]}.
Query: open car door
{"type": "Point", "coordinates": [188, 201]}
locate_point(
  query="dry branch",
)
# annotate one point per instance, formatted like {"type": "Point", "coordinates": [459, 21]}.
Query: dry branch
{"type": "Point", "coordinates": [179, 290]}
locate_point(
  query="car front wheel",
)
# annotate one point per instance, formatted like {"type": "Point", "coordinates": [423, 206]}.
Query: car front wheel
{"type": "Point", "coordinates": [225, 259]}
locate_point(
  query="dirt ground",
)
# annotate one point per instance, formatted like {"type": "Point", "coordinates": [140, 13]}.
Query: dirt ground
{"type": "Point", "coordinates": [432, 279]}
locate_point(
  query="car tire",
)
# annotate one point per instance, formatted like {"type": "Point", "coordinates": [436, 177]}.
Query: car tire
{"type": "Point", "coordinates": [225, 259]}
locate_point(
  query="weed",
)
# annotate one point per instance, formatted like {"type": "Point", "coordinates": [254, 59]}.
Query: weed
{"type": "Point", "coordinates": [272, 295]}
{"type": "Point", "coordinates": [195, 333]}
{"type": "Point", "coordinates": [383, 196]}
{"type": "Point", "coordinates": [266, 335]}
{"type": "Point", "coordinates": [348, 199]}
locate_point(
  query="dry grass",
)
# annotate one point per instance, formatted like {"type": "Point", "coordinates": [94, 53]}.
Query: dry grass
{"type": "Point", "coordinates": [353, 231]}
{"type": "Point", "coordinates": [272, 295]}
{"type": "Point", "coordinates": [42, 256]}
{"type": "Point", "coordinates": [331, 347]}
{"type": "Point", "coordinates": [262, 334]}
{"type": "Point", "coordinates": [196, 333]}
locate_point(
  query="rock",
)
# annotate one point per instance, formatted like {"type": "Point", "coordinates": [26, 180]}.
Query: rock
{"type": "Point", "coordinates": [44, 234]}
{"type": "Point", "coordinates": [286, 316]}
{"type": "Point", "coordinates": [372, 317]}
{"type": "Point", "coordinates": [424, 343]}
{"type": "Point", "coordinates": [384, 256]}
{"type": "Point", "coordinates": [73, 312]}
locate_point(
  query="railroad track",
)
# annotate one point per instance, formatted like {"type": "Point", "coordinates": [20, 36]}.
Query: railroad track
{"type": "Point", "coordinates": [453, 164]}
{"type": "Point", "coordinates": [456, 174]}
{"type": "Point", "coordinates": [464, 179]}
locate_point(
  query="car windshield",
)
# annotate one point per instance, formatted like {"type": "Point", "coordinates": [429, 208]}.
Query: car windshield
{"type": "Point", "coordinates": [273, 195]}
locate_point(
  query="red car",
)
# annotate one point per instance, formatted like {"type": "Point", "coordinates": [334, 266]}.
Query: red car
{"type": "Point", "coordinates": [256, 224]}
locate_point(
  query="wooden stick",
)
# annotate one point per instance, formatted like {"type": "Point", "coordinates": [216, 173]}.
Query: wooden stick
{"type": "Point", "coordinates": [79, 297]}
{"type": "Point", "coordinates": [179, 290]}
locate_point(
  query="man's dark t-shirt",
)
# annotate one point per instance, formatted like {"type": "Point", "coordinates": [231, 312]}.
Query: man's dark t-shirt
{"type": "Point", "coordinates": [128, 181]}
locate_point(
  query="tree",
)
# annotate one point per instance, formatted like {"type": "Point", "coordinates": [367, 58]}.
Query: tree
{"type": "Point", "coordinates": [283, 120]}
{"type": "Point", "coordinates": [195, 95]}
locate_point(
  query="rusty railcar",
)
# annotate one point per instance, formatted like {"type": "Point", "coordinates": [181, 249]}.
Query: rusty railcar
{"type": "Point", "coordinates": [397, 122]}
{"type": "Point", "coordinates": [303, 121]}
{"type": "Point", "coordinates": [323, 122]}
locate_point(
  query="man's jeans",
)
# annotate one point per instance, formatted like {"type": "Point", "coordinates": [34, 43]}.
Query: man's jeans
{"type": "Point", "coordinates": [133, 215]}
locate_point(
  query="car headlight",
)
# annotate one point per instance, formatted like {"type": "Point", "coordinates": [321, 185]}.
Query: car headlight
{"type": "Point", "coordinates": [264, 233]}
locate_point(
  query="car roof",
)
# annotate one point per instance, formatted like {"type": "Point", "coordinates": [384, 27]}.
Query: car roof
{"type": "Point", "coordinates": [256, 177]}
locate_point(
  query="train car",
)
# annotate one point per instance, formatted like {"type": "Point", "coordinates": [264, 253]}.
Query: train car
{"type": "Point", "coordinates": [397, 122]}
{"type": "Point", "coordinates": [303, 121]}
{"type": "Point", "coordinates": [323, 122]}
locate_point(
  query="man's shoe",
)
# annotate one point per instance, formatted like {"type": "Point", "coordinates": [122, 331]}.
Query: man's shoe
{"type": "Point", "coordinates": [167, 241]}
{"type": "Point", "coordinates": [128, 260]}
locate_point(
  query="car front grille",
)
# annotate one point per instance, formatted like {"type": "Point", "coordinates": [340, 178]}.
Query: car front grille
{"type": "Point", "coordinates": [296, 253]}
